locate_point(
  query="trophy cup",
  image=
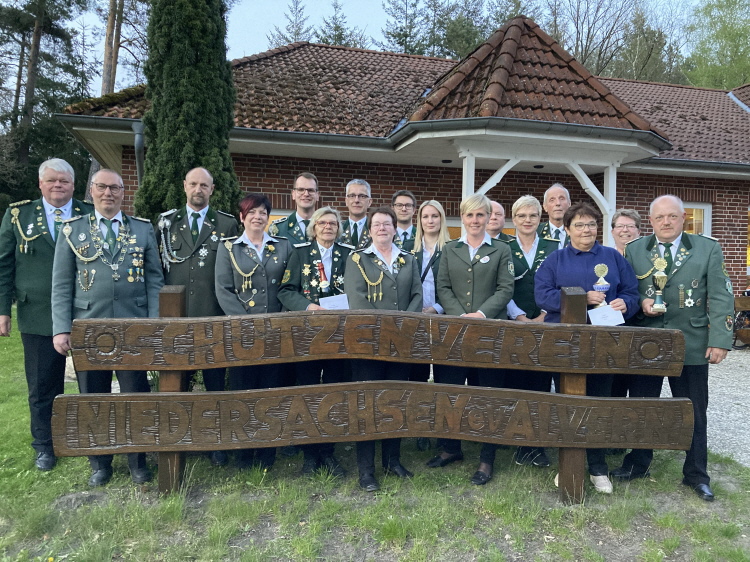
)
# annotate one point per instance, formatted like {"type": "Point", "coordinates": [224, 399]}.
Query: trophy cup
{"type": "Point", "coordinates": [601, 285]}
{"type": "Point", "coordinates": [660, 280]}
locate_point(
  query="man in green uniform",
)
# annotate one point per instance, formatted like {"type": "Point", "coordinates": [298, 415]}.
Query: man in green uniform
{"type": "Point", "coordinates": [354, 231]}
{"type": "Point", "coordinates": [188, 239]}
{"type": "Point", "coordinates": [497, 222]}
{"type": "Point", "coordinates": [305, 195]}
{"type": "Point", "coordinates": [698, 299]}
{"type": "Point", "coordinates": [404, 204]}
{"type": "Point", "coordinates": [556, 202]}
{"type": "Point", "coordinates": [106, 266]}
{"type": "Point", "coordinates": [27, 248]}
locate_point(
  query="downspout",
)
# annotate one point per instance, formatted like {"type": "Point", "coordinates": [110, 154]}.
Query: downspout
{"type": "Point", "coordinates": [140, 150]}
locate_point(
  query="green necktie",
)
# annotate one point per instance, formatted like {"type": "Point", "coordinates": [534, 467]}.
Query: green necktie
{"type": "Point", "coordinates": [194, 225]}
{"type": "Point", "coordinates": [668, 255]}
{"type": "Point", "coordinates": [58, 222]}
{"type": "Point", "coordinates": [355, 235]}
{"type": "Point", "coordinates": [556, 233]}
{"type": "Point", "coordinates": [110, 239]}
{"type": "Point", "coordinates": [304, 222]}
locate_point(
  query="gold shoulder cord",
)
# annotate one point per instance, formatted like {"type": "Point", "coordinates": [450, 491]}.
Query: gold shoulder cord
{"type": "Point", "coordinates": [24, 248]}
{"type": "Point", "coordinates": [649, 272]}
{"type": "Point", "coordinates": [372, 288]}
{"type": "Point", "coordinates": [247, 282]}
{"type": "Point", "coordinates": [66, 230]}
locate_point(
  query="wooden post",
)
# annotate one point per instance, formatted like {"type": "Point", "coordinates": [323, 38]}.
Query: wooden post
{"type": "Point", "coordinates": [172, 465]}
{"type": "Point", "coordinates": [572, 461]}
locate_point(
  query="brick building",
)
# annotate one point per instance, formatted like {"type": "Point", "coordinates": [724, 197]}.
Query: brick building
{"type": "Point", "coordinates": [515, 116]}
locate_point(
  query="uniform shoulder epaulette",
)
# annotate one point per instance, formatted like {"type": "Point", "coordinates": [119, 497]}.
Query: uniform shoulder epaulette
{"type": "Point", "coordinates": [279, 237]}
{"type": "Point", "coordinates": [141, 219]}
{"type": "Point", "coordinates": [346, 246]}
{"type": "Point", "coordinates": [231, 216]}
{"type": "Point", "coordinates": [709, 237]}
{"type": "Point", "coordinates": [167, 213]}
{"type": "Point", "coordinates": [551, 239]}
{"type": "Point", "coordinates": [73, 219]}
{"type": "Point", "coordinates": [229, 238]}
{"type": "Point", "coordinates": [277, 221]}
{"type": "Point", "coordinates": [19, 203]}
{"type": "Point", "coordinates": [358, 251]}
{"type": "Point", "coordinates": [502, 240]}
{"type": "Point", "coordinates": [301, 244]}
{"type": "Point", "coordinates": [633, 240]}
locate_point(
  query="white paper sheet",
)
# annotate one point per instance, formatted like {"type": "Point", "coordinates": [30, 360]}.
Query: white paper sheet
{"type": "Point", "coordinates": [336, 302]}
{"type": "Point", "coordinates": [606, 316]}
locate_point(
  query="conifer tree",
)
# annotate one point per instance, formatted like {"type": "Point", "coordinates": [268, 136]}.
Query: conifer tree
{"type": "Point", "coordinates": [189, 84]}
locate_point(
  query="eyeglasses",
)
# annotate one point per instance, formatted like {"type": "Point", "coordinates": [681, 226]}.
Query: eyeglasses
{"type": "Point", "coordinates": [532, 216]}
{"type": "Point", "coordinates": [102, 187]}
{"type": "Point", "coordinates": [322, 224]}
{"type": "Point", "coordinates": [308, 190]}
{"type": "Point", "coordinates": [403, 206]}
{"type": "Point", "coordinates": [379, 225]}
{"type": "Point", "coordinates": [357, 196]}
{"type": "Point", "coordinates": [581, 226]}
{"type": "Point", "coordinates": [625, 227]}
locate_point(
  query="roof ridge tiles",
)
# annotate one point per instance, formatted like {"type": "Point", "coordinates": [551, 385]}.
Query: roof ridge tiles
{"type": "Point", "coordinates": [683, 86]}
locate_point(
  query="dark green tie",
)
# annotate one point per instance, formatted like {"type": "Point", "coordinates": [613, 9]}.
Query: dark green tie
{"type": "Point", "coordinates": [556, 233]}
{"type": "Point", "coordinates": [355, 235]}
{"type": "Point", "coordinates": [110, 239]}
{"type": "Point", "coordinates": [668, 255]}
{"type": "Point", "coordinates": [194, 225]}
{"type": "Point", "coordinates": [58, 222]}
{"type": "Point", "coordinates": [304, 222]}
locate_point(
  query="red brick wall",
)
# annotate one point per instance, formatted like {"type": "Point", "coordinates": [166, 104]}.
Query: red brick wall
{"type": "Point", "coordinates": [274, 176]}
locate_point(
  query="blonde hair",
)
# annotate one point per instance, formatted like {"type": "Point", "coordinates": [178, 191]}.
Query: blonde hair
{"type": "Point", "coordinates": [527, 201]}
{"type": "Point", "coordinates": [475, 202]}
{"type": "Point", "coordinates": [310, 232]}
{"type": "Point", "coordinates": [443, 236]}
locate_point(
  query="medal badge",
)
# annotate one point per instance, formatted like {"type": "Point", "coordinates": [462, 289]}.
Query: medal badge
{"type": "Point", "coordinates": [81, 237]}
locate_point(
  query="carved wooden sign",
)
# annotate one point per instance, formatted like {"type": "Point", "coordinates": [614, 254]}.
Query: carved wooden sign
{"type": "Point", "coordinates": [104, 423]}
{"type": "Point", "coordinates": [195, 343]}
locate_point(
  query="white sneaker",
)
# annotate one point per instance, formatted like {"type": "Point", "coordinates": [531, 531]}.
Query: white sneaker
{"type": "Point", "coordinates": [557, 480]}
{"type": "Point", "coordinates": [601, 483]}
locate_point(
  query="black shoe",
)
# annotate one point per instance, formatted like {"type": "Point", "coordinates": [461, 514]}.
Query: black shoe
{"type": "Point", "coordinates": [631, 473]}
{"type": "Point", "coordinates": [290, 451]}
{"type": "Point", "coordinates": [368, 483]}
{"type": "Point", "coordinates": [480, 478]}
{"type": "Point", "coordinates": [397, 469]}
{"type": "Point", "coordinates": [100, 477]}
{"type": "Point", "coordinates": [218, 458]}
{"type": "Point", "coordinates": [703, 491]}
{"type": "Point", "coordinates": [423, 443]}
{"type": "Point", "coordinates": [331, 464]}
{"type": "Point", "coordinates": [141, 475]}
{"type": "Point", "coordinates": [532, 456]}
{"type": "Point", "coordinates": [309, 466]}
{"type": "Point", "coordinates": [45, 461]}
{"type": "Point", "coordinates": [244, 458]}
{"type": "Point", "coordinates": [438, 461]}
{"type": "Point", "coordinates": [614, 451]}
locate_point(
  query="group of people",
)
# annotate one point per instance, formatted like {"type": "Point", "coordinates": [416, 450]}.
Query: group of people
{"type": "Point", "coordinates": [63, 259]}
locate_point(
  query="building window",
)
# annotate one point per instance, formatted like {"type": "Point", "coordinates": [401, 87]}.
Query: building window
{"type": "Point", "coordinates": [698, 220]}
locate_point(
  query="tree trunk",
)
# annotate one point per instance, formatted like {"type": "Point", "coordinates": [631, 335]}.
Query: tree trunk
{"type": "Point", "coordinates": [31, 76]}
{"type": "Point", "coordinates": [19, 79]}
{"type": "Point", "coordinates": [108, 85]}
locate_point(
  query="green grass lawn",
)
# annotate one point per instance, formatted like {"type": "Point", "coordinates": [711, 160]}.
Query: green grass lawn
{"type": "Point", "coordinates": [224, 514]}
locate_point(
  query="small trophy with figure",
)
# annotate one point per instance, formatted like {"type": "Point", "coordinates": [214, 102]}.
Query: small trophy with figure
{"type": "Point", "coordinates": [660, 280]}
{"type": "Point", "coordinates": [601, 285]}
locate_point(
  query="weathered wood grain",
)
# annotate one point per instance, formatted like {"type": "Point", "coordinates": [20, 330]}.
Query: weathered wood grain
{"type": "Point", "coordinates": [105, 423]}
{"type": "Point", "coordinates": [194, 343]}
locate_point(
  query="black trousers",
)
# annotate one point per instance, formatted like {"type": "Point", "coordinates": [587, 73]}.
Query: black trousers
{"type": "Point", "coordinates": [214, 379]}
{"type": "Point", "coordinates": [370, 370]}
{"type": "Point", "coordinates": [326, 371]}
{"type": "Point", "coordinates": [45, 374]}
{"type": "Point", "coordinates": [452, 374]}
{"type": "Point", "coordinates": [252, 377]}
{"type": "Point", "coordinates": [100, 382]}
{"type": "Point", "coordinates": [692, 384]}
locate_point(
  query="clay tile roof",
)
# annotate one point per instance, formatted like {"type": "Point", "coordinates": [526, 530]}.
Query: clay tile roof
{"type": "Point", "coordinates": [315, 88]}
{"type": "Point", "coordinates": [130, 103]}
{"type": "Point", "coordinates": [521, 72]}
{"type": "Point", "coordinates": [743, 94]}
{"type": "Point", "coordinates": [702, 124]}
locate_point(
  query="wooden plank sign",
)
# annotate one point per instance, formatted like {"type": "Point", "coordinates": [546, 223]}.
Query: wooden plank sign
{"type": "Point", "coordinates": [125, 423]}
{"type": "Point", "coordinates": [195, 343]}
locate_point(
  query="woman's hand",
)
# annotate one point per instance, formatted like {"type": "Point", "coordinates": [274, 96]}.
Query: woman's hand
{"type": "Point", "coordinates": [429, 310]}
{"type": "Point", "coordinates": [595, 297]}
{"type": "Point", "coordinates": [619, 304]}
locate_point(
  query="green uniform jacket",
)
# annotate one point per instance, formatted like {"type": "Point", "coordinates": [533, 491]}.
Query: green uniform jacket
{"type": "Point", "coordinates": [484, 283]}
{"type": "Point", "coordinates": [544, 230]}
{"type": "Point", "coordinates": [28, 275]}
{"type": "Point", "coordinates": [398, 241]}
{"type": "Point", "coordinates": [288, 228]}
{"type": "Point", "coordinates": [523, 292]}
{"type": "Point", "coordinates": [346, 236]}
{"type": "Point", "coordinates": [192, 264]}
{"type": "Point", "coordinates": [301, 283]}
{"type": "Point", "coordinates": [261, 296]}
{"type": "Point", "coordinates": [401, 290]}
{"type": "Point", "coordinates": [84, 285]}
{"type": "Point", "coordinates": [699, 275]}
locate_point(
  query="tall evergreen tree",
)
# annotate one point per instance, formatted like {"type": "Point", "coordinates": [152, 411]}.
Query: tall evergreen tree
{"type": "Point", "coordinates": [296, 27]}
{"type": "Point", "coordinates": [335, 30]}
{"type": "Point", "coordinates": [192, 104]}
{"type": "Point", "coordinates": [404, 30]}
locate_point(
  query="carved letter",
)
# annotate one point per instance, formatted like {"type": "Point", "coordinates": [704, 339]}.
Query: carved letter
{"type": "Point", "coordinates": [234, 414]}
{"type": "Point", "coordinates": [447, 413]}
{"type": "Point", "coordinates": [418, 406]}
{"type": "Point", "coordinates": [174, 422]}
{"type": "Point", "coordinates": [326, 408]}
{"type": "Point", "coordinates": [359, 335]}
{"type": "Point", "coordinates": [480, 343]}
{"type": "Point", "coordinates": [519, 425]}
{"type": "Point", "coordinates": [518, 347]}
{"type": "Point", "coordinates": [365, 415]}
{"type": "Point", "coordinates": [392, 418]}
{"type": "Point", "coordinates": [397, 341]}
{"type": "Point", "coordinates": [143, 422]}
{"type": "Point", "coordinates": [326, 327]}
{"type": "Point", "coordinates": [299, 422]}
{"type": "Point", "coordinates": [274, 424]}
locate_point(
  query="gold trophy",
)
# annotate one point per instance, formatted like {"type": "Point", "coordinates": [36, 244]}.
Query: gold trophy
{"type": "Point", "coordinates": [660, 280]}
{"type": "Point", "coordinates": [601, 284]}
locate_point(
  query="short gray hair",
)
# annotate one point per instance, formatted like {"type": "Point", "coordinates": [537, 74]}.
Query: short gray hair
{"type": "Point", "coordinates": [628, 213]}
{"type": "Point", "coordinates": [359, 182]}
{"type": "Point", "coordinates": [527, 201]}
{"type": "Point", "coordinates": [57, 164]}
{"type": "Point", "coordinates": [553, 186]}
{"type": "Point", "coordinates": [316, 217]}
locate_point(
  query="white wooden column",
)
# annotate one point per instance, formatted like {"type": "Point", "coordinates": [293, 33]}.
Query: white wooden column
{"type": "Point", "coordinates": [610, 195]}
